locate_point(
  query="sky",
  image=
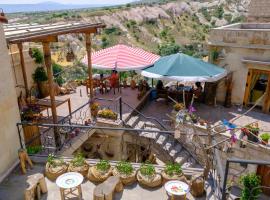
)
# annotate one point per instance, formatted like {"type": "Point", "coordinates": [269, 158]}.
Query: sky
{"type": "Point", "coordinates": [66, 1]}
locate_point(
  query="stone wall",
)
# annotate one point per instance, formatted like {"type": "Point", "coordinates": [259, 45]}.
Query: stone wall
{"type": "Point", "coordinates": [259, 10]}
{"type": "Point", "coordinates": [9, 140]}
{"type": "Point", "coordinates": [250, 152]}
{"type": "Point", "coordinates": [234, 46]}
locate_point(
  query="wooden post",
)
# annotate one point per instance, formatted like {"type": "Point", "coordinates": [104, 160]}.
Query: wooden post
{"type": "Point", "coordinates": [89, 59]}
{"type": "Point", "coordinates": [266, 106]}
{"type": "Point", "coordinates": [48, 64]}
{"type": "Point", "coordinates": [20, 47]}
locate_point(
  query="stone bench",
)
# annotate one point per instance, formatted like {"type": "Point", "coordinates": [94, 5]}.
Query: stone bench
{"type": "Point", "coordinates": [105, 190]}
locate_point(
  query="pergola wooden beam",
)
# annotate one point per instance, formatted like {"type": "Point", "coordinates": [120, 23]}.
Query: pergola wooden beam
{"type": "Point", "coordinates": [40, 35]}
{"type": "Point", "coordinates": [46, 35]}
{"type": "Point", "coordinates": [20, 47]}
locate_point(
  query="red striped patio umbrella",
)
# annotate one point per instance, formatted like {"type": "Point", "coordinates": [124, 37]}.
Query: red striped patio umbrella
{"type": "Point", "coordinates": [122, 58]}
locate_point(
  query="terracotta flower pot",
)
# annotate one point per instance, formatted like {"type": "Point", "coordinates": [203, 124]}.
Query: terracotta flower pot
{"type": "Point", "coordinates": [52, 172]}
{"type": "Point", "coordinates": [83, 170]}
{"type": "Point", "coordinates": [149, 181]}
{"type": "Point", "coordinates": [96, 175]}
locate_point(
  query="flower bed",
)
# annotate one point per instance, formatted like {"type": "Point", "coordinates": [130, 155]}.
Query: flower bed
{"type": "Point", "coordinates": [78, 164]}
{"type": "Point", "coordinates": [147, 176]}
{"type": "Point", "coordinates": [100, 172]}
{"type": "Point", "coordinates": [55, 167]}
{"type": "Point", "coordinates": [126, 172]}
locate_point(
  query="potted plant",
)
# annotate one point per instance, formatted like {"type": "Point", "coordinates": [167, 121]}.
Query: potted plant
{"type": "Point", "coordinates": [78, 164]}
{"type": "Point", "coordinates": [107, 114]}
{"type": "Point", "coordinates": [100, 172]}
{"type": "Point", "coordinates": [126, 172]}
{"type": "Point", "coordinates": [172, 171]}
{"type": "Point", "coordinates": [265, 138]}
{"type": "Point", "coordinates": [194, 118]}
{"type": "Point", "coordinates": [94, 109]}
{"type": "Point", "coordinates": [55, 167]}
{"type": "Point", "coordinates": [37, 55]}
{"type": "Point", "coordinates": [147, 176]}
{"type": "Point", "coordinates": [178, 106]}
{"type": "Point", "coordinates": [251, 186]}
{"type": "Point", "coordinates": [41, 78]}
{"type": "Point", "coordinates": [251, 131]}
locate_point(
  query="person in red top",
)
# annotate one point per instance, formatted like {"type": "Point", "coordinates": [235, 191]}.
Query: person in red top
{"type": "Point", "coordinates": [114, 80]}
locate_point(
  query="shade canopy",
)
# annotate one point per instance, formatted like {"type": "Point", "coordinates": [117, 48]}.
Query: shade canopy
{"type": "Point", "coordinates": [122, 58]}
{"type": "Point", "coordinates": [181, 67]}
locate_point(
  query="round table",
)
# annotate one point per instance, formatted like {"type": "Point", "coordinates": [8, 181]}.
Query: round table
{"type": "Point", "coordinates": [177, 189]}
{"type": "Point", "coordinates": [69, 183]}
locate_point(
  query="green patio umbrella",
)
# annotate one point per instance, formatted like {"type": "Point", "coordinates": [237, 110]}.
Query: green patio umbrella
{"type": "Point", "coordinates": [184, 68]}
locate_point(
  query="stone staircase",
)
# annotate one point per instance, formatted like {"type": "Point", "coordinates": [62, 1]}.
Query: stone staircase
{"type": "Point", "coordinates": [165, 141]}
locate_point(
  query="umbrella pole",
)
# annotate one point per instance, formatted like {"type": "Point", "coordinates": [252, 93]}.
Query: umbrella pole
{"type": "Point", "coordinates": [184, 99]}
{"type": "Point", "coordinates": [152, 83]}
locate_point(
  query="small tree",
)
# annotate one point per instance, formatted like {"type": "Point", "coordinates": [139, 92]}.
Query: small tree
{"type": "Point", "coordinates": [168, 49]}
{"type": "Point", "coordinates": [37, 56]}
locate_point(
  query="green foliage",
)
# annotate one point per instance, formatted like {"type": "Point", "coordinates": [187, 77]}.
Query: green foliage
{"type": "Point", "coordinates": [53, 161]}
{"type": "Point", "coordinates": [251, 183]}
{"type": "Point", "coordinates": [40, 75]}
{"type": "Point", "coordinates": [131, 23]}
{"type": "Point", "coordinates": [112, 30]}
{"type": "Point", "coordinates": [34, 149]}
{"type": "Point", "coordinates": [147, 169]}
{"type": "Point", "coordinates": [238, 19]}
{"type": "Point", "coordinates": [57, 70]}
{"type": "Point", "coordinates": [173, 169]}
{"type": "Point", "coordinates": [37, 56]}
{"type": "Point", "coordinates": [228, 17]}
{"type": "Point", "coordinates": [105, 43]}
{"type": "Point", "coordinates": [78, 160]}
{"type": "Point", "coordinates": [219, 12]}
{"type": "Point", "coordinates": [103, 165]}
{"type": "Point", "coordinates": [265, 136]}
{"type": "Point", "coordinates": [214, 55]}
{"type": "Point", "coordinates": [163, 33]}
{"type": "Point", "coordinates": [59, 15]}
{"type": "Point", "coordinates": [124, 167]}
{"type": "Point", "coordinates": [205, 13]}
{"type": "Point", "coordinates": [168, 49]}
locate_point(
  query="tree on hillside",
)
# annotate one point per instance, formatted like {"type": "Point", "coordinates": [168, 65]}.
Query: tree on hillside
{"type": "Point", "coordinates": [168, 49]}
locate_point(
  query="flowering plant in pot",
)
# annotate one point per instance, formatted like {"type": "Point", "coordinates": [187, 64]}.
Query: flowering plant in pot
{"type": "Point", "coordinates": [126, 172]}
{"type": "Point", "coordinates": [265, 138]}
{"type": "Point", "coordinates": [147, 176]}
{"type": "Point", "coordinates": [173, 171]}
{"type": "Point", "coordinates": [251, 131]}
{"type": "Point", "coordinates": [78, 164]}
{"type": "Point", "coordinates": [107, 114]}
{"type": "Point", "coordinates": [178, 106]}
{"type": "Point", "coordinates": [100, 172]}
{"type": "Point", "coordinates": [55, 167]}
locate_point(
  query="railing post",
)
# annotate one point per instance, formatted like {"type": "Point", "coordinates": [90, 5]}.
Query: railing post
{"type": "Point", "coordinates": [225, 180]}
{"type": "Point", "coordinates": [20, 137]}
{"type": "Point", "coordinates": [120, 108]}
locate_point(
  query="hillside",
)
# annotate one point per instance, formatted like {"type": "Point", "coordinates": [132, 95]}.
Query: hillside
{"type": "Point", "coordinates": [152, 26]}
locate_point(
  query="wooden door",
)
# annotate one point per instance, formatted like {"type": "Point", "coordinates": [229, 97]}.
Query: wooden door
{"type": "Point", "coordinates": [264, 172]}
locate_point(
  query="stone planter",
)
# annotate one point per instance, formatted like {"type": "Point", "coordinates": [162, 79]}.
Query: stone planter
{"type": "Point", "coordinates": [96, 175]}
{"type": "Point", "coordinates": [83, 170]}
{"type": "Point", "coordinates": [167, 177]}
{"type": "Point", "coordinates": [149, 181]}
{"type": "Point", "coordinates": [52, 172]}
{"type": "Point", "coordinates": [125, 179]}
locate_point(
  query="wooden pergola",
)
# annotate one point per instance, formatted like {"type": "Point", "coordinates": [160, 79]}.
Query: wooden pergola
{"type": "Point", "coordinates": [47, 34]}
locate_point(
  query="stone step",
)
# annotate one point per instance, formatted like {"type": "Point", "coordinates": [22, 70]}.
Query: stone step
{"type": "Point", "coordinates": [133, 121]}
{"type": "Point", "coordinates": [151, 135]}
{"type": "Point", "coordinates": [139, 125]}
{"type": "Point", "coordinates": [191, 162]}
{"type": "Point", "coordinates": [182, 157]}
{"type": "Point", "coordinates": [162, 139]}
{"type": "Point", "coordinates": [175, 150]}
{"type": "Point", "coordinates": [168, 145]}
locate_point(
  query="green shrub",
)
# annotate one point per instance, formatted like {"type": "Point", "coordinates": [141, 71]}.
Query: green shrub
{"type": "Point", "coordinates": [219, 12]}
{"type": "Point", "coordinates": [103, 165]}
{"type": "Point", "coordinates": [40, 75]}
{"type": "Point", "coordinates": [251, 183]}
{"type": "Point", "coordinates": [124, 167]}
{"type": "Point", "coordinates": [78, 160]}
{"type": "Point", "coordinates": [37, 56]}
{"type": "Point", "coordinates": [168, 49]}
{"type": "Point", "coordinates": [34, 149]}
{"type": "Point", "coordinates": [173, 169]}
{"type": "Point", "coordinates": [57, 69]}
{"type": "Point", "coordinates": [147, 169]}
{"type": "Point", "coordinates": [53, 161]}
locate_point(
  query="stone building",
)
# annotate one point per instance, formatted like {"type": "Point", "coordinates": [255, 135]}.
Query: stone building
{"type": "Point", "coordinates": [244, 49]}
{"type": "Point", "coordinates": [9, 139]}
{"type": "Point", "coordinates": [259, 11]}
